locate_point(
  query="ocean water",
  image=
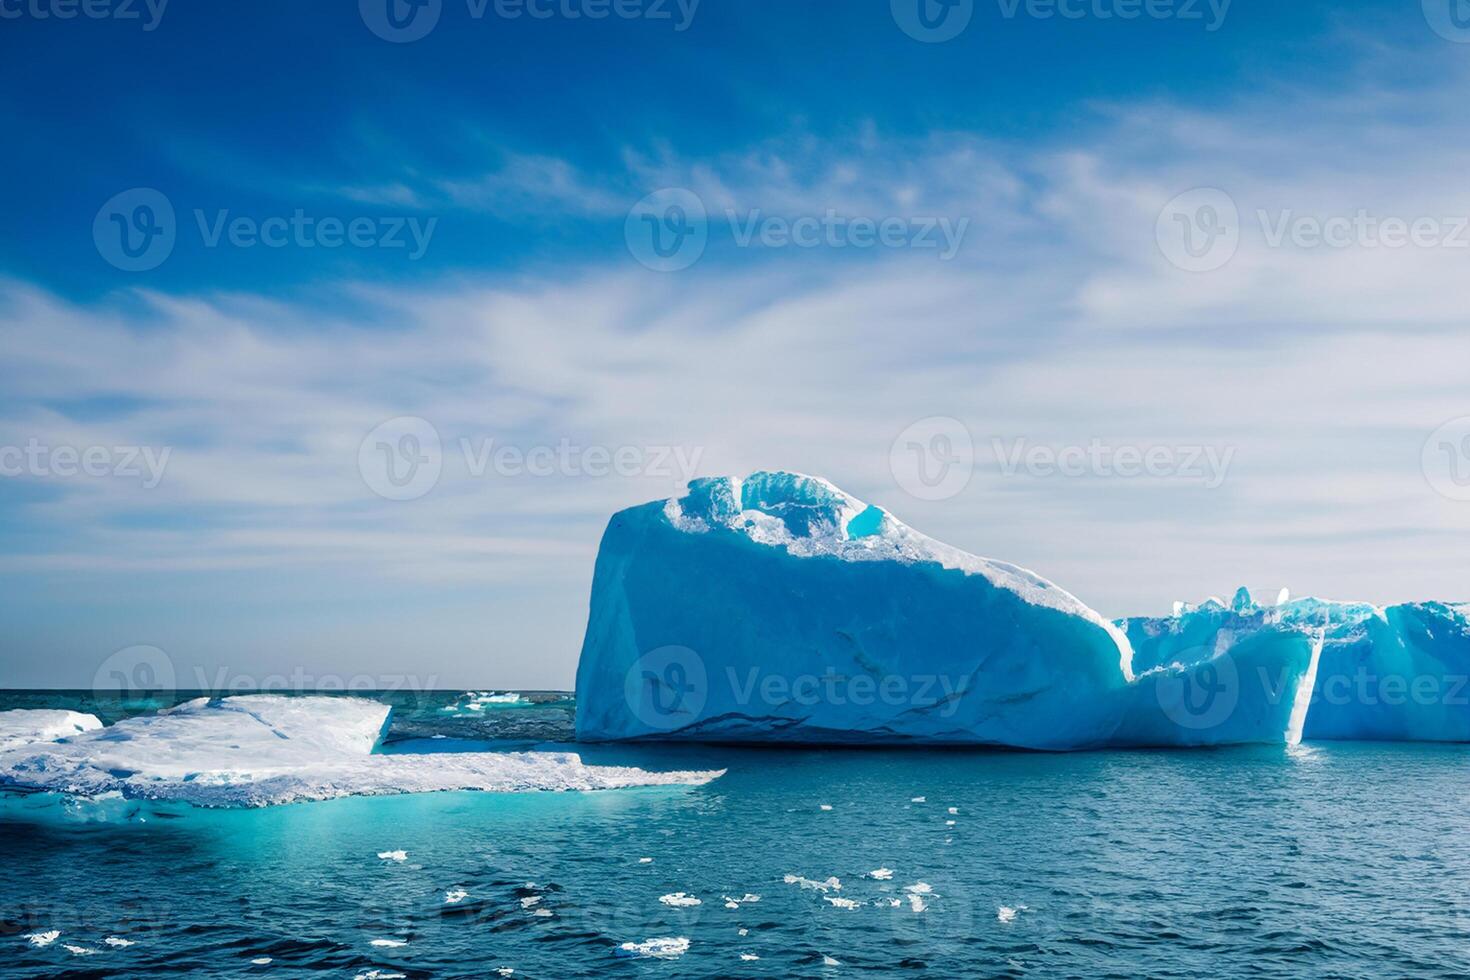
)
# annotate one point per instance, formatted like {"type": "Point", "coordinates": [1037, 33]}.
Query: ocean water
{"type": "Point", "coordinates": [1326, 860]}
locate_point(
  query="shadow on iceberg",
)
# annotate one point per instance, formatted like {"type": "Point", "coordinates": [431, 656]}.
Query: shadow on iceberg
{"type": "Point", "coordinates": [777, 608]}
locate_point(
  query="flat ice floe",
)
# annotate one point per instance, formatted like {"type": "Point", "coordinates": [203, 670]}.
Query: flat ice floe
{"type": "Point", "coordinates": [258, 750]}
{"type": "Point", "coordinates": [25, 726]}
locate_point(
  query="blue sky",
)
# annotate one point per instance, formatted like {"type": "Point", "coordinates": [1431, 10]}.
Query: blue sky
{"type": "Point", "coordinates": [1299, 396]}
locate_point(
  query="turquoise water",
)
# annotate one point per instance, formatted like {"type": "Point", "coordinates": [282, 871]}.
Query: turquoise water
{"type": "Point", "coordinates": [1333, 859]}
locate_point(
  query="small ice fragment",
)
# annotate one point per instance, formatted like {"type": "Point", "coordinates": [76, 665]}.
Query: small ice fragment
{"type": "Point", "coordinates": [664, 948]}
{"type": "Point", "coordinates": [919, 799]}
{"type": "Point", "coordinates": [40, 939]}
{"type": "Point", "coordinates": [949, 823]}
{"type": "Point", "coordinates": [530, 900]}
{"type": "Point", "coordinates": [919, 888]}
{"type": "Point", "coordinates": [882, 874]}
{"type": "Point", "coordinates": [117, 943]}
{"type": "Point", "coordinates": [261, 961]}
{"type": "Point", "coordinates": [1007, 914]}
{"type": "Point", "coordinates": [749, 956]}
{"type": "Point", "coordinates": [679, 900]}
{"type": "Point", "coordinates": [824, 806]}
{"type": "Point", "coordinates": [389, 943]}
{"type": "Point", "coordinates": [378, 975]}
{"type": "Point", "coordinates": [645, 860]}
{"type": "Point", "coordinates": [744, 932]}
{"type": "Point", "coordinates": [917, 903]}
{"type": "Point", "coordinates": [543, 913]}
{"type": "Point", "coordinates": [455, 895]}
{"type": "Point", "coordinates": [954, 811]}
{"type": "Point", "coordinates": [393, 855]}
{"type": "Point", "coordinates": [77, 950]}
{"type": "Point", "coordinates": [842, 903]}
{"type": "Point", "coordinates": [505, 971]}
{"type": "Point", "coordinates": [1283, 596]}
{"type": "Point", "coordinates": [829, 961]}
{"type": "Point", "coordinates": [917, 891]}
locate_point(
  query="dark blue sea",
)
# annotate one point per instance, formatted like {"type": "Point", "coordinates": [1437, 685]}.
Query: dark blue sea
{"type": "Point", "coordinates": [1325, 860]}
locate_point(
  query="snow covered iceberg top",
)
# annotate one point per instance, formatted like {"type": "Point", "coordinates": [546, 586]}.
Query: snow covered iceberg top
{"type": "Point", "coordinates": [23, 726]}
{"type": "Point", "coordinates": [810, 517]}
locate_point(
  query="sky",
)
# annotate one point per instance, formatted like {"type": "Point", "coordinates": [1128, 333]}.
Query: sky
{"type": "Point", "coordinates": [333, 333]}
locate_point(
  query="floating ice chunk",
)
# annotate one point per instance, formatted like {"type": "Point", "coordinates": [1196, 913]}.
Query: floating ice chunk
{"type": "Point", "coordinates": [505, 971]}
{"type": "Point", "coordinates": [543, 913]}
{"type": "Point", "coordinates": [663, 948]}
{"type": "Point", "coordinates": [78, 950]}
{"type": "Point", "coordinates": [919, 799]}
{"type": "Point", "coordinates": [393, 855]}
{"type": "Point", "coordinates": [455, 895]}
{"type": "Point", "coordinates": [882, 874]}
{"type": "Point", "coordinates": [379, 975]}
{"type": "Point", "coordinates": [41, 939]}
{"type": "Point", "coordinates": [117, 943]}
{"type": "Point", "coordinates": [679, 900]}
{"type": "Point", "coordinates": [917, 903]}
{"type": "Point", "coordinates": [831, 884]}
{"type": "Point", "coordinates": [261, 961]}
{"type": "Point", "coordinates": [735, 903]}
{"type": "Point", "coordinates": [841, 903]}
{"type": "Point", "coordinates": [388, 943]}
{"type": "Point", "coordinates": [824, 806]}
{"type": "Point", "coordinates": [645, 860]}
{"type": "Point", "coordinates": [744, 932]}
{"type": "Point", "coordinates": [1006, 913]}
{"type": "Point", "coordinates": [829, 961]}
{"type": "Point", "coordinates": [530, 901]}
{"type": "Point", "coordinates": [954, 810]}
{"type": "Point", "coordinates": [256, 750]}
{"type": "Point", "coordinates": [916, 893]}
{"type": "Point", "coordinates": [949, 823]}
{"type": "Point", "coordinates": [25, 726]}
{"type": "Point", "coordinates": [748, 957]}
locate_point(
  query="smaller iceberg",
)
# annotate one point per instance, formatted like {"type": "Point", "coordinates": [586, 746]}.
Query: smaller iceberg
{"type": "Point", "coordinates": [24, 726]}
{"type": "Point", "coordinates": [258, 750]}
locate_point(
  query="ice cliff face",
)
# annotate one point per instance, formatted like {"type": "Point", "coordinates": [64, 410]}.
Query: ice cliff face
{"type": "Point", "coordinates": [778, 608]}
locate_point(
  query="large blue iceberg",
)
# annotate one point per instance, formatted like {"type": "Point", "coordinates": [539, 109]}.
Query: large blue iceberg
{"type": "Point", "coordinates": [777, 608]}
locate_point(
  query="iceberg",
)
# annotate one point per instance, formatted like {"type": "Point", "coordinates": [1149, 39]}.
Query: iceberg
{"type": "Point", "coordinates": [23, 726]}
{"type": "Point", "coordinates": [779, 608]}
{"type": "Point", "coordinates": [257, 750]}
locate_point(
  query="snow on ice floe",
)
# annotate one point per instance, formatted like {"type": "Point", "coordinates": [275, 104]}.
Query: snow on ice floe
{"type": "Point", "coordinates": [256, 750]}
{"type": "Point", "coordinates": [731, 612]}
{"type": "Point", "coordinates": [24, 726]}
{"type": "Point", "coordinates": [680, 900]}
{"type": "Point", "coordinates": [663, 948]}
{"type": "Point", "coordinates": [881, 874]}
